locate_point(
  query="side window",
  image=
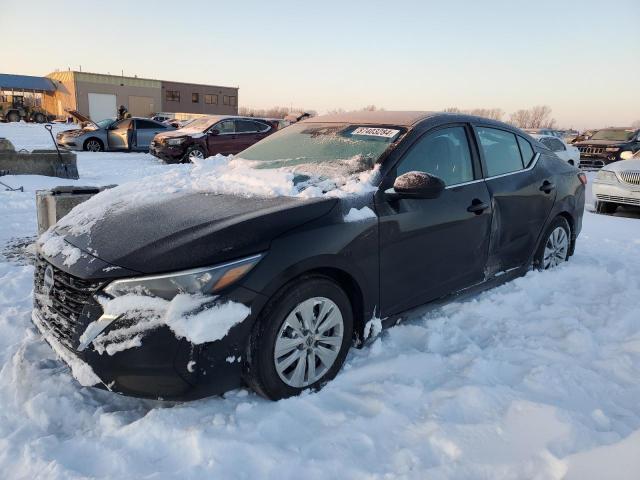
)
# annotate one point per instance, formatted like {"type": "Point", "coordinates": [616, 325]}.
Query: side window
{"type": "Point", "coordinates": [444, 153]}
{"type": "Point", "coordinates": [263, 127]}
{"type": "Point", "coordinates": [557, 145]}
{"type": "Point", "coordinates": [147, 125]}
{"type": "Point", "coordinates": [225, 126]}
{"type": "Point", "coordinates": [501, 151]}
{"type": "Point", "coordinates": [123, 124]}
{"type": "Point", "coordinates": [527, 151]}
{"type": "Point", "coordinates": [246, 126]}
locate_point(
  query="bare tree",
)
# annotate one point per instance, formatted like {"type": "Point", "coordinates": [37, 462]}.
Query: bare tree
{"type": "Point", "coordinates": [536, 117]}
{"type": "Point", "coordinates": [273, 112]}
{"type": "Point", "coordinates": [492, 113]}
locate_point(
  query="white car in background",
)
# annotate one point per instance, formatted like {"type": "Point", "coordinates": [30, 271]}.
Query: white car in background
{"type": "Point", "coordinates": [618, 184]}
{"type": "Point", "coordinates": [565, 151]}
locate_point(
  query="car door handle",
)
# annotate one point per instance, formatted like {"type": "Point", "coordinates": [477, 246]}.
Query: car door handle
{"type": "Point", "coordinates": [547, 187]}
{"type": "Point", "coordinates": [477, 206]}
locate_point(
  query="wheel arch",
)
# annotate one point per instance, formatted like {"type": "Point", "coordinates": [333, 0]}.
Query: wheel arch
{"type": "Point", "coordinates": [570, 220]}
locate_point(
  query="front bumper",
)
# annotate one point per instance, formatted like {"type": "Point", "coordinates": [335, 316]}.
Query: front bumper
{"type": "Point", "coordinates": [167, 153]}
{"type": "Point", "coordinates": [163, 366]}
{"type": "Point", "coordinates": [617, 193]}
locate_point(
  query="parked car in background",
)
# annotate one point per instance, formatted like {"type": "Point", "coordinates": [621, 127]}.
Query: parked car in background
{"type": "Point", "coordinates": [545, 131]}
{"type": "Point", "coordinates": [586, 135]}
{"type": "Point", "coordinates": [618, 184]}
{"type": "Point", "coordinates": [453, 204]}
{"type": "Point", "coordinates": [607, 145]}
{"type": "Point", "coordinates": [161, 118]}
{"type": "Point", "coordinates": [211, 135]}
{"type": "Point", "coordinates": [130, 134]}
{"type": "Point", "coordinates": [566, 152]}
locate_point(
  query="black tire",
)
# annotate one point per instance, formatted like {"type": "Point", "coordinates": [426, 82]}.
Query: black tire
{"type": "Point", "coordinates": [539, 258]}
{"type": "Point", "coordinates": [194, 150]}
{"type": "Point", "coordinates": [93, 145]}
{"type": "Point", "coordinates": [260, 372]}
{"type": "Point", "coordinates": [39, 118]}
{"type": "Point", "coordinates": [13, 117]}
{"type": "Point", "coordinates": [607, 208]}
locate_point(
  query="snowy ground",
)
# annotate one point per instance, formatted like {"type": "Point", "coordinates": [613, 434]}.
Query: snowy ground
{"type": "Point", "coordinates": [538, 378]}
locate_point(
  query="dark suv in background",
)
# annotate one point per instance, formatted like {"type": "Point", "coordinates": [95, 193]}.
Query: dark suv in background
{"type": "Point", "coordinates": [209, 136]}
{"type": "Point", "coordinates": [606, 145]}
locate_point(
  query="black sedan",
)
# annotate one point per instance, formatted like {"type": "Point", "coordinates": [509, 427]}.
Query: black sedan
{"type": "Point", "coordinates": [455, 204]}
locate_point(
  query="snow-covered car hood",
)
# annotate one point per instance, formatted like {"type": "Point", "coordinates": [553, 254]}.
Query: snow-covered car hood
{"type": "Point", "coordinates": [180, 133]}
{"type": "Point", "coordinates": [622, 165]}
{"type": "Point", "coordinates": [193, 229]}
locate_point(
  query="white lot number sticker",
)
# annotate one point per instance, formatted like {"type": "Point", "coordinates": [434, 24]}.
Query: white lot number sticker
{"type": "Point", "coordinates": [376, 132]}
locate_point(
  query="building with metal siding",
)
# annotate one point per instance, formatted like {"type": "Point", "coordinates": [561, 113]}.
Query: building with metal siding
{"type": "Point", "coordinates": [98, 95]}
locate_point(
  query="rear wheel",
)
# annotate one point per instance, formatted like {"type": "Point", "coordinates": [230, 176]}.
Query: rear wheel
{"type": "Point", "coordinates": [93, 145]}
{"type": "Point", "coordinates": [606, 207]}
{"type": "Point", "coordinates": [13, 117]}
{"type": "Point", "coordinates": [301, 339]}
{"type": "Point", "coordinates": [39, 118]}
{"type": "Point", "coordinates": [555, 246]}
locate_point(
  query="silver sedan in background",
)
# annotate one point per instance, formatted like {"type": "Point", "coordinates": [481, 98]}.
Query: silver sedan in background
{"type": "Point", "coordinates": [130, 134]}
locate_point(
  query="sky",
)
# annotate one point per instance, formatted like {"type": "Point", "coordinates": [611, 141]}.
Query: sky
{"type": "Point", "coordinates": [582, 58]}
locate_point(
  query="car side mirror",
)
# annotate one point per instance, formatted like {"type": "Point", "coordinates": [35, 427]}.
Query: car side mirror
{"type": "Point", "coordinates": [626, 155]}
{"type": "Point", "coordinates": [215, 131]}
{"type": "Point", "coordinates": [416, 185]}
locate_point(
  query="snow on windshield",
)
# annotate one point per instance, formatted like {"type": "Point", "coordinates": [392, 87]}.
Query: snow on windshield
{"type": "Point", "coordinates": [222, 175]}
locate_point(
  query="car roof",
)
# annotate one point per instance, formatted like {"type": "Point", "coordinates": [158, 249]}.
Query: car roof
{"type": "Point", "coordinates": [379, 117]}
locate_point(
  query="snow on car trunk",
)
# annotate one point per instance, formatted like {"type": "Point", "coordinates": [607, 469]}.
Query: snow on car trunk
{"type": "Point", "coordinates": [535, 379]}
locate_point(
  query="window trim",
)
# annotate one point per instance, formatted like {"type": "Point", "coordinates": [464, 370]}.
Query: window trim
{"type": "Point", "coordinates": [471, 143]}
{"type": "Point", "coordinates": [213, 96]}
{"type": "Point", "coordinates": [213, 127]}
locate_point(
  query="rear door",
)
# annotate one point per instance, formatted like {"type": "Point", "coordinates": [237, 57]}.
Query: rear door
{"type": "Point", "coordinates": [145, 131]}
{"type": "Point", "coordinates": [250, 132]}
{"type": "Point", "coordinates": [432, 247]}
{"type": "Point", "coordinates": [522, 192]}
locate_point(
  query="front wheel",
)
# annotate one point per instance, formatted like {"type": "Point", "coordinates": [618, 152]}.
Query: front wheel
{"type": "Point", "coordinates": [93, 145]}
{"type": "Point", "coordinates": [194, 152]}
{"type": "Point", "coordinates": [554, 248]}
{"type": "Point", "coordinates": [301, 340]}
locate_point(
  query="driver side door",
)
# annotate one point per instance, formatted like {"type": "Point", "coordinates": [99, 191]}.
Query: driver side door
{"type": "Point", "coordinates": [433, 247]}
{"type": "Point", "coordinates": [118, 134]}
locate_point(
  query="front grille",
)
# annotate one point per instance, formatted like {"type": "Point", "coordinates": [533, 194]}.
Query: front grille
{"type": "Point", "coordinates": [67, 309]}
{"type": "Point", "coordinates": [630, 176]}
{"type": "Point", "coordinates": [592, 150]}
{"type": "Point", "coordinates": [613, 199]}
{"type": "Point", "coordinates": [591, 163]}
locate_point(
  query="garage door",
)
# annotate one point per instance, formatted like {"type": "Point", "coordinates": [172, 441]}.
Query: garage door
{"type": "Point", "coordinates": [101, 106]}
{"type": "Point", "coordinates": [141, 106]}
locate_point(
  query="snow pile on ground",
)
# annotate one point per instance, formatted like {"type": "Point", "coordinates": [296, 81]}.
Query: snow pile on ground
{"type": "Point", "coordinates": [31, 136]}
{"type": "Point", "coordinates": [535, 379]}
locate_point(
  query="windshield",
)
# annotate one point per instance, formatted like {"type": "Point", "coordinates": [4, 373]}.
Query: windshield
{"type": "Point", "coordinates": [322, 149]}
{"type": "Point", "coordinates": [198, 125]}
{"type": "Point", "coordinates": [614, 134]}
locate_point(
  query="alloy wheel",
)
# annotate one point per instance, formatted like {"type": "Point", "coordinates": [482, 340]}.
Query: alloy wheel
{"type": "Point", "coordinates": [308, 342]}
{"type": "Point", "coordinates": [94, 146]}
{"type": "Point", "coordinates": [556, 248]}
{"type": "Point", "coordinates": [196, 154]}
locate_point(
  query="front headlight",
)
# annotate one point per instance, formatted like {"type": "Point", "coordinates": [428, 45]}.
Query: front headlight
{"type": "Point", "coordinates": [206, 281]}
{"type": "Point", "coordinates": [175, 141]}
{"type": "Point", "coordinates": [605, 176]}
